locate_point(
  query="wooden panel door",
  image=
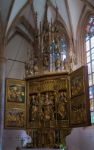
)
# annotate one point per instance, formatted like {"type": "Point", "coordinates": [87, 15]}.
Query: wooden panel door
{"type": "Point", "coordinates": [79, 98]}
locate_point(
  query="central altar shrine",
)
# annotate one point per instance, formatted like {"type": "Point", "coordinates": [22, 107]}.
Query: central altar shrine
{"type": "Point", "coordinates": [56, 103]}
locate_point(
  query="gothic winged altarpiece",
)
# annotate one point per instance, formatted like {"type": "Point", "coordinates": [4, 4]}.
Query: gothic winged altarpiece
{"type": "Point", "coordinates": [48, 105]}
{"type": "Point", "coordinates": [53, 98]}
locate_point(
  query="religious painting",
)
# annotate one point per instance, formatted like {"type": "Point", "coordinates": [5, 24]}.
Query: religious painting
{"type": "Point", "coordinates": [76, 86]}
{"type": "Point", "coordinates": [78, 81]}
{"type": "Point", "coordinates": [79, 98]}
{"type": "Point", "coordinates": [15, 118]}
{"type": "Point", "coordinates": [79, 111]}
{"type": "Point", "coordinates": [15, 104]}
{"type": "Point", "coordinates": [16, 92]}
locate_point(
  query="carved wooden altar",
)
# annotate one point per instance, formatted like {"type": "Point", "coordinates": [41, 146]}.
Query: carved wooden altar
{"type": "Point", "coordinates": [48, 106]}
{"type": "Point", "coordinates": [56, 103]}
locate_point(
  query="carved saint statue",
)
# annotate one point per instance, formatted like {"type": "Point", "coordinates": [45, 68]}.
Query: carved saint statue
{"type": "Point", "coordinates": [58, 64]}
{"type": "Point", "coordinates": [71, 60]}
{"type": "Point", "coordinates": [34, 108]}
{"type": "Point", "coordinates": [48, 111]}
{"type": "Point", "coordinates": [35, 66]}
{"type": "Point", "coordinates": [62, 106]}
{"type": "Point", "coordinates": [46, 62]}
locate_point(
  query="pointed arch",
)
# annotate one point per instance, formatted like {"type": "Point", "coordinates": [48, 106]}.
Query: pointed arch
{"type": "Point", "coordinates": [85, 51]}
{"type": "Point", "coordinates": [1, 37]}
{"type": "Point", "coordinates": [81, 31]}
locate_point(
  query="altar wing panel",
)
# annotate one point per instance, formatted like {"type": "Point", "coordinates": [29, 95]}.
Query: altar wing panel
{"type": "Point", "coordinates": [79, 98]}
{"type": "Point", "coordinates": [15, 104]}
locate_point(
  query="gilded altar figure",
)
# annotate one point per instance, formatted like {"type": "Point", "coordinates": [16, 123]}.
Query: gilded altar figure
{"type": "Point", "coordinates": [57, 49]}
{"type": "Point", "coordinates": [34, 108]}
{"type": "Point", "coordinates": [35, 66]}
{"type": "Point", "coordinates": [46, 61]}
{"type": "Point", "coordinates": [48, 108]}
{"type": "Point", "coordinates": [46, 39]}
{"type": "Point", "coordinates": [62, 106]}
{"type": "Point", "coordinates": [71, 60]}
{"type": "Point", "coordinates": [58, 64]}
{"type": "Point", "coordinates": [65, 64]}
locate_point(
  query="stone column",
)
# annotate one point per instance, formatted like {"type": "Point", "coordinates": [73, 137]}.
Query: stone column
{"type": "Point", "coordinates": [2, 98]}
{"type": "Point", "coordinates": [2, 85]}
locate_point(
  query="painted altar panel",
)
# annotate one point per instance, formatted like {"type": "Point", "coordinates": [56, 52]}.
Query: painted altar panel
{"type": "Point", "coordinates": [79, 98]}
{"type": "Point", "coordinates": [15, 105]}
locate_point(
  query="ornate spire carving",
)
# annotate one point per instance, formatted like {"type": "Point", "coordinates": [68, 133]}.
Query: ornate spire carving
{"type": "Point", "coordinates": [45, 23]}
{"type": "Point", "coordinates": [49, 45]}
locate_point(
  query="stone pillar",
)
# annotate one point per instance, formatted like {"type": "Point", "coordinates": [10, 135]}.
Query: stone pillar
{"type": "Point", "coordinates": [2, 84]}
{"type": "Point", "coordinates": [2, 96]}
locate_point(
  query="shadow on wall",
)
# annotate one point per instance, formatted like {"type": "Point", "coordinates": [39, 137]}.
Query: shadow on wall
{"type": "Point", "coordinates": [81, 139]}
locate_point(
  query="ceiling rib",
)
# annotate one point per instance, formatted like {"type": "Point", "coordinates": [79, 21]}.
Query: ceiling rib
{"type": "Point", "coordinates": [20, 33]}
{"type": "Point", "coordinates": [15, 18]}
{"type": "Point", "coordinates": [69, 17]}
{"type": "Point", "coordinates": [10, 10]}
{"type": "Point", "coordinates": [62, 20]}
{"type": "Point", "coordinates": [27, 25]}
{"type": "Point", "coordinates": [88, 4]}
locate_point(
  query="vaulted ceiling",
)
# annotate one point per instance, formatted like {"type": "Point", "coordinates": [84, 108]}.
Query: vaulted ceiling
{"type": "Point", "coordinates": [69, 11]}
{"type": "Point", "coordinates": [18, 19]}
